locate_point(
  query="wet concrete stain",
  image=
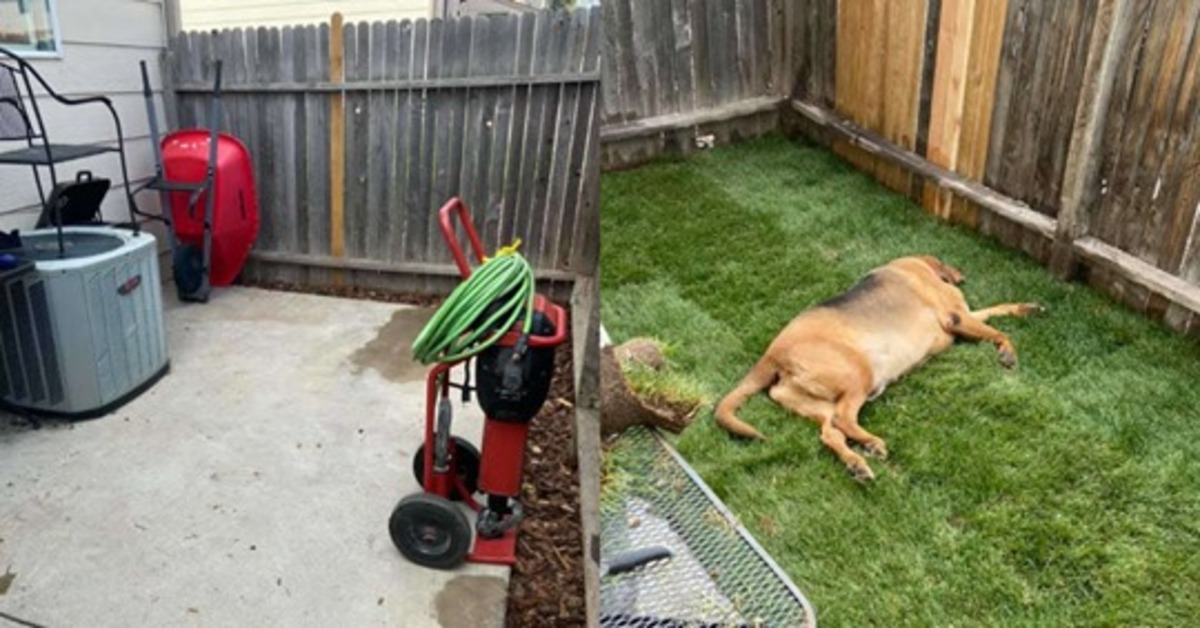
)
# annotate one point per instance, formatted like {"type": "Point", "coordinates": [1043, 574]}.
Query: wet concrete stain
{"type": "Point", "coordinates": [471, 601]}
{"type": "Point", "coordinates": [390, 351]}
{"type": "Point", "coordinates": [6, 580]}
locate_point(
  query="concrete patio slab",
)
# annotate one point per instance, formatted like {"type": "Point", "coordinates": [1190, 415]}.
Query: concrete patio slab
{"type": "Point", "coordinates": [250, 486]}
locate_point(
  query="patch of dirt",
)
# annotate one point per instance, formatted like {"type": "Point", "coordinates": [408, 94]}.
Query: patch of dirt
{"type": "Point", "coordinates": [546, 585]}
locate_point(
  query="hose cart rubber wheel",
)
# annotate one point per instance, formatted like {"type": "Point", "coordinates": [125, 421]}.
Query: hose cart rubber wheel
{"type": "Point", "coordinates": [464, 461]}
{"type": "Point", "coordinates": [430, 531]}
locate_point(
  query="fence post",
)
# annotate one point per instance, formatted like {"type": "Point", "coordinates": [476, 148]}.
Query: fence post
{"type": "Point", "coordinates": [337, 145]}
{"type": "Point", "coordinates": [1080, 177]}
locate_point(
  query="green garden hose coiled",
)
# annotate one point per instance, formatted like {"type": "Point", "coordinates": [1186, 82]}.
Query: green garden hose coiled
{"type": "Point", "coordinates": [463, 326]}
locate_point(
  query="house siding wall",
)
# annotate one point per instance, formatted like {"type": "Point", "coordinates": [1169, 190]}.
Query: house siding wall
{"type": "Point", "coordinates": [102, 42]}
{"type": "Point", "coordinates": [219, 14]}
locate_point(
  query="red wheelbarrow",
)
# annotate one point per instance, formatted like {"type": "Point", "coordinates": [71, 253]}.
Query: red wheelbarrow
{"type": "Point", "coordinates": [201, 168]}
{"type": "Point", "coordinates": [431, 528]}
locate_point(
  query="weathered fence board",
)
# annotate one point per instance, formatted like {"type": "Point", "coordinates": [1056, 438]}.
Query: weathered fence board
{"type": "Point", "coordinates": [500, 110]}
{"type": "Point", "coordinates": [669, 64]}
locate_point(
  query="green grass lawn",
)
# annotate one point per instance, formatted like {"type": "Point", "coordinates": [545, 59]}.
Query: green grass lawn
{"type": "Point", "coordinates": [1064, 492]}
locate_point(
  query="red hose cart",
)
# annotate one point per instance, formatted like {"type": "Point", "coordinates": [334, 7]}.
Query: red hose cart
{"type": "Point", "coordinates": [512, 379]}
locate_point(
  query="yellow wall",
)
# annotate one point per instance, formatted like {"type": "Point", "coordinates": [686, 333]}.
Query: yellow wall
{"type": "Point", "coordinates": [218, 14]}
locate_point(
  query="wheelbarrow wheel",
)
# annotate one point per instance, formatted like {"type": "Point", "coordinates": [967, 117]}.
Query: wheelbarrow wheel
{"type": "Point", "coordinates": [188, 267]}
{"type": "Point", "coordinates": [430, 531]}
{"type": "Point", "coordinates": [464, 460]}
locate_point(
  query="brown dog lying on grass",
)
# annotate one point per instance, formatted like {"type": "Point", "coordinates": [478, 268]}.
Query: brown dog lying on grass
{"type": "Point", "coordinates": [836, 356]}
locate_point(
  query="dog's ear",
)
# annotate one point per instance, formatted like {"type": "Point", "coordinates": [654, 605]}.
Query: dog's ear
{"type": "Point", "coordinates": [945, 272]}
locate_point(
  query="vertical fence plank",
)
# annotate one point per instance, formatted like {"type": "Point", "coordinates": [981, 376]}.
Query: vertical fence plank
{"type": "Point", "coordinates": [612, 50]}
{"type": "Point", "coordinates": [662, 51]}
{"type": "Point", "coordinates": [320, 136]}
{"type": "Point", "coordinates": [378, 215]}
{"type": "Point", "coordinates": [824, 42]}
{"type": "Point", "coordinates": [527, 197]}
{"type": "Point", "coordinates": [682, 59]}
{"type": "Point", "coordinates": [551, 60]}
{"type": "Point", "coordinates": [259, 66]}
{"type": "Point", "coordinates": [627, 66]}
{"type": "Point", "coordinates": [286, 166]}
{"type": "Point", "coordinates": [1124, 178]}
{"type": "Point", "coordinates": [561, 207]}
{"type": "Point", "coordinates": [581, 219]}
{"type": "Point", "coordinates": [303, 168]}
{"type": "Point", "coordinates": [1012, 95]}
{"type": "Point", "coordinates": [1082, 169]}
{"type": "Point", "coordinates": [949, 91]}
{"type": "Point", "coordinates": [903, 53]}
{"type": "Point", "coordinates": [701, 59]}
{"type": "Point", "coordinates": [645, 60]}
{"type": "Point", "coordinates": [496, 59]}
{"type": "Point", "coordinates": [397, 46]}
{"type": "Point", "coordinates": [764, 48]}
{"type": "Point", "coordinates": [979, 99]}
{"type": "Point", "coordinates": [1180, 232]}
{"type": "Point", "coordinates": [1062, 101]}
{"type": "Point", "coordinates": [1156, 182]}
{"type": "Point", "coordinates": [358, 138]}
{"type": "Point", "coordinates": [425, 206]}
{"type": "Point", "coordinates": [860, 71]}
{"type": "Point", "coordinates": [458, 54]}
{"type": "Point", "coordinates": [337, 142]}
{"type": "Point", "coordinates": [514, 177]}
{"type": "Point", "coordinates": [503, 48]}
{"type": "Point", "coordinates": [477, 142]}
{"type": "Point", "coordinates": [723, 49]}
{"type": "Point", "coordinates": [743, 21]}
{"type": "Point", "coordinates": [417, 172]}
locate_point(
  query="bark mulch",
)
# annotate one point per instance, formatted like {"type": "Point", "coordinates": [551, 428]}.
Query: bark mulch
{"type": "Point", "coordinates": [546, 585]}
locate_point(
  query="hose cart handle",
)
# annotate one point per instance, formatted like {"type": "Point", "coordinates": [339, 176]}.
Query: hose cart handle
{"type": "Point", "coordinates": [445, 214]}
{"type": "Point", "coordinates": [558, 317]}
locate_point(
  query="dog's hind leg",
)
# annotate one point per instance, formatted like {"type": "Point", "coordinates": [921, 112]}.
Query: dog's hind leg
{"type": "Point", "coordinates": [1006, 309]}
{"type": "Point", "coordinates": [835, 439]}
{"type": "Point", "coordinates": [848, 406]}
{"type": "Point", "coordinates": [822, 411]}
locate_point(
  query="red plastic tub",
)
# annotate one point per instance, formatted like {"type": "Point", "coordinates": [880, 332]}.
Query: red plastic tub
{"type": "Point", "coordinates": [235, 212]}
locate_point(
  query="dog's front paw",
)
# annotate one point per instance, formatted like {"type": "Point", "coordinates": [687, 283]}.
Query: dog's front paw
{"type": "Point", "coordinates": [1008, 358]}
{"type": "Point", "coordinates": [876, 449]}
{"type": "Point", "coordinates": [861, 471]}
{"type": "Point", "coordinates": [1025, 309]}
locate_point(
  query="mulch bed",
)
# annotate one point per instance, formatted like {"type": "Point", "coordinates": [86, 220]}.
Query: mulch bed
{"type": "Point", "coordinates": [546, 585]}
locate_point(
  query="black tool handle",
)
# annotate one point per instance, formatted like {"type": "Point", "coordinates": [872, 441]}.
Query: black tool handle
{"type": "Point", "coordinates": [628, 561]}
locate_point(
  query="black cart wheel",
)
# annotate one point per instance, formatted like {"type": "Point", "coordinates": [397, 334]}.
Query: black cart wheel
{"type": "Point", "coordinates": [464, 460]}
{"type": "Point", "coordinates": [188, 266]}
{"type": "Point", "coordinates": [430, 531]}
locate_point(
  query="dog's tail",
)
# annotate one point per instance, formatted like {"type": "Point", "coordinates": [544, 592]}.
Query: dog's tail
{"type": "Point", "coordinates": [762, 375]}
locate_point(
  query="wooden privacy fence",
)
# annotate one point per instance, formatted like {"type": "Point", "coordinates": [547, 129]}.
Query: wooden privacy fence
{"type": "Point", "coordinates": [1065, 128]}
{"type": "Point", "coordinates": [360, 132]}
{"type": "Point", "coordinates": [678, 69]}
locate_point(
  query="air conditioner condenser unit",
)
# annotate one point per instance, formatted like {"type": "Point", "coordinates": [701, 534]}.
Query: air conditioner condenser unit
{"type": "Point", "coordinates": [81, 333]}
